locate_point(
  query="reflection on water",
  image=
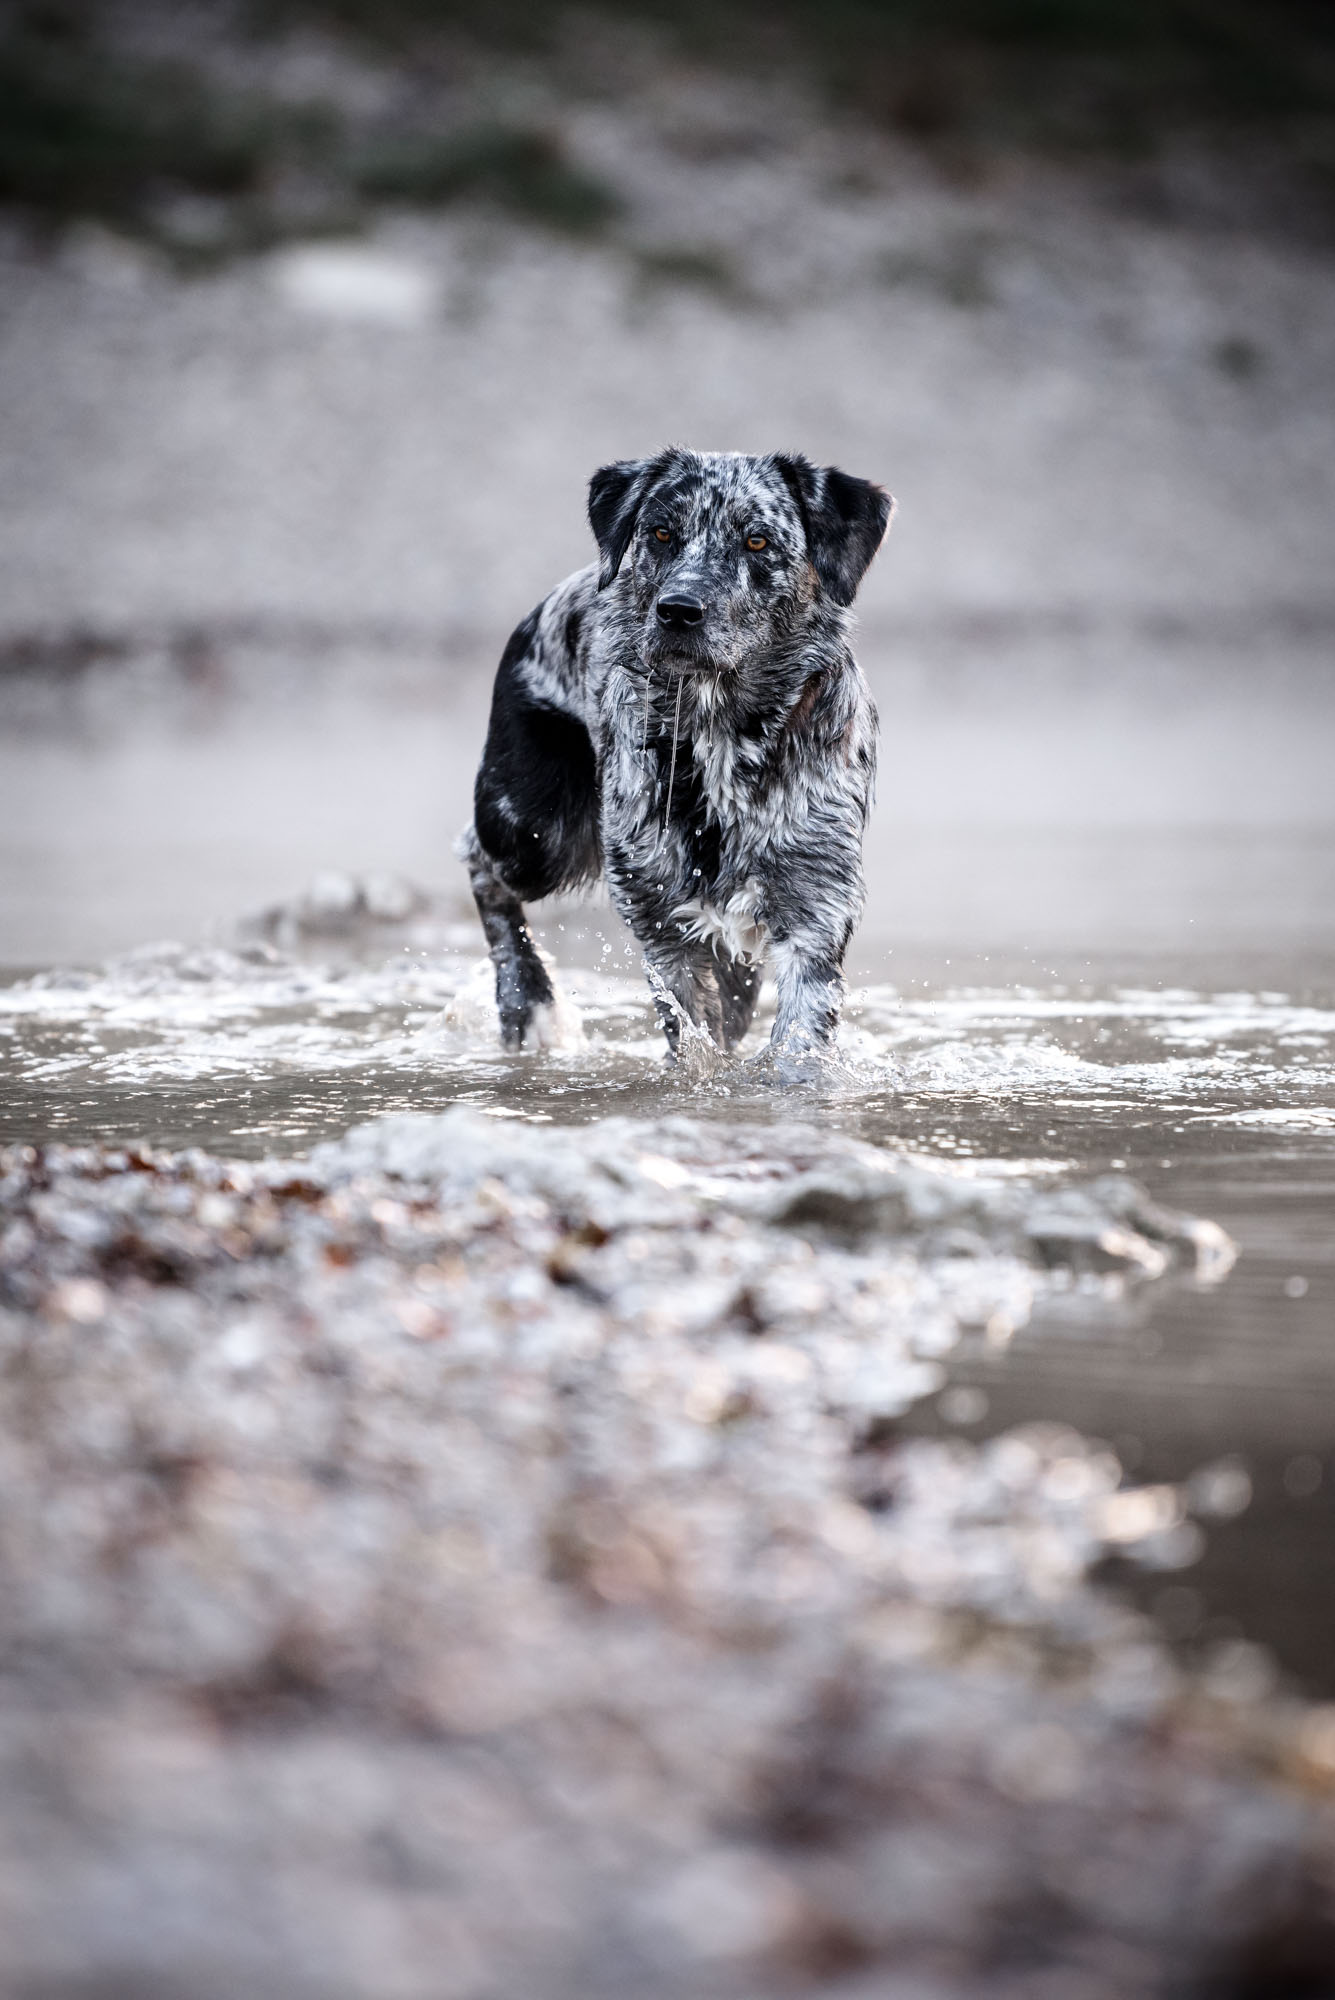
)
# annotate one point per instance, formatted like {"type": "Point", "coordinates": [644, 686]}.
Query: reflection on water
{"type": "Point", "coordinates": [1221, 1102]}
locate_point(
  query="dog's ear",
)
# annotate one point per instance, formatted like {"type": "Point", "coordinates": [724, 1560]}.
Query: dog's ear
{"type": "Point", "coordinates": [845, 521]}
{"type": "Point", "coordinates": [615, 495]}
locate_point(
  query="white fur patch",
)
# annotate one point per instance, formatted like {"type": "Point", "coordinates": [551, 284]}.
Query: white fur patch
{"type": "Point", "coordinates": [736, 926]}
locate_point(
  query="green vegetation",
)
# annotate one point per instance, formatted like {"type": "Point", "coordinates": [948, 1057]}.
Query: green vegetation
{"type": "Point", "coordinates": [85, 130]}
{"type": "Point", "coordinates": [684, 264]}
{"type": "Point", "coordinates": [1087, 72]}
{"type": "Point", "coordinates": [81, 134]}
{"type": "Point", "coordinates": [519, 169]}
{"type": "Point", "coordinates": [154, 149]}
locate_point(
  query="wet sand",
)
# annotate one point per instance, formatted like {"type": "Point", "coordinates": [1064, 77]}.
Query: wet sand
{"type": "Point", "coordinates": [490, 1554]}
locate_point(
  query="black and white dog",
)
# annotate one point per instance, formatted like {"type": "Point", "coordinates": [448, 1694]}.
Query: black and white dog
{"type": "Point", "coordinates": [687, 718]}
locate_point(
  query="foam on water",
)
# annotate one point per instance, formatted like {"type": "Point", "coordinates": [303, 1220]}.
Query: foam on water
{"type": "Point", "coordinates": [169, 1018]}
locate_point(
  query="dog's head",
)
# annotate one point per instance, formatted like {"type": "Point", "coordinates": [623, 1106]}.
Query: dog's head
{"type": "Point", "coordinates": [727, 554]}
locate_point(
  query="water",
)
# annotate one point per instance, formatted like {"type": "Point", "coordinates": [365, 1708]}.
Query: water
{"type": "Point", "coordinates": [1216, 1093]}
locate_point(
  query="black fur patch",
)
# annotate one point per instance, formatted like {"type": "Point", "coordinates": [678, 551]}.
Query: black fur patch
{"type": "Point", "coordinates": [845, 521]}
{"type": "Point", "coordinates": [535, 802]}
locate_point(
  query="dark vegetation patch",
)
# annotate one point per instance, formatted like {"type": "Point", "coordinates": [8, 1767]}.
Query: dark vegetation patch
{"type": "Point", "coordinates": [84, 132]}
{"type": "Point", "coordinates": [88, 129]}
{"type": "Point", "coordinates": [157, 149]}
{"type": "Point", "coordinates": [695, 267]}
{"type": "Point", "coordinates": [1117, 76]}
{"type": "Point", "coordinates": [518, 168]}
{"type": "Point", "coordinates": [62, 655]}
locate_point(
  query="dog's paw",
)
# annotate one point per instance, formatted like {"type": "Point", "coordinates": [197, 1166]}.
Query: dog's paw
{"type": "Point", "coordinates": [554, 1024]}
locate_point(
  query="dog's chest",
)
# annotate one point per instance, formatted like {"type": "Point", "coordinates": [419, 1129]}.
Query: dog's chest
{"type": "Point", "coordinates": [722, 826]}
{"type": "Point", "coordinates": [727, 775]}
{"type": "Point", "coordinates": [732, 921]}
{"type": "Point", "coordinates": [703, 808]}
{"type": "Point", "coordinates": [718, 804]}
{"type": "Point", "coordinates": [745, 793]}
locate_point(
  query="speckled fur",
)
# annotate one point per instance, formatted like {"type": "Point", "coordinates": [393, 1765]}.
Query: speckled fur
{"type": "Point", "coordinates": [718, 776]}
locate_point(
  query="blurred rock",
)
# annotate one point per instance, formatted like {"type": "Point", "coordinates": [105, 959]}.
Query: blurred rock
{"type": "Point", "coordinates": [355, 282]}
{"type": "Point", "coordinates": [485, 1547]}
{"type": "Point", "coordinates": [336, 905]}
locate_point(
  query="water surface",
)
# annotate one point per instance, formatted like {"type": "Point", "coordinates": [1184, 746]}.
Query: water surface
{"type": "Point", "coordinates": [1216, 1092]}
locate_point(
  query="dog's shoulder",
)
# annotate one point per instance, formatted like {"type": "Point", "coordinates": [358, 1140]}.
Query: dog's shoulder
{"type": "Point", "coordinates": [829, 695]}
{"type": "Point", "coordinates": [826, 749]}
{"type": "Point", "coordinates": [546, 659]}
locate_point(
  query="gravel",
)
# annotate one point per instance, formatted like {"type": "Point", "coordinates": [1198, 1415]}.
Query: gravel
{"type": "Point", "coordinates": [481, 1558]}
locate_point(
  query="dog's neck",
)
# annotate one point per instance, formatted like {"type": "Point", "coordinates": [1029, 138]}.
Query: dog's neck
{"type": "Point", "coordinates": [749, 703]}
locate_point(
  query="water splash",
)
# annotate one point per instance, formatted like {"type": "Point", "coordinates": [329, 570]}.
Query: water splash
{"type": "Point", "coordinates": [176, 1037]}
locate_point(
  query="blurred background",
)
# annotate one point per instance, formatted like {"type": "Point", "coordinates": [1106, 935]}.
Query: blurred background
{"type": "Point", "coordinates": [315, 318]}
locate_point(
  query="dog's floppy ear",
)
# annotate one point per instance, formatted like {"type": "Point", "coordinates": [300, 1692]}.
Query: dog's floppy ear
{"type": "Point", "coordinates": [615, 494]}
{"type": "Point", "coordinates": [845, 521]}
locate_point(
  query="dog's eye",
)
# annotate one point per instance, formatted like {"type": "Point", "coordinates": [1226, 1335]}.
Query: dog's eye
{"type": "Point", "coordinates": [662, 535]}
{"type": "Point", "coordinates": [756, 542]}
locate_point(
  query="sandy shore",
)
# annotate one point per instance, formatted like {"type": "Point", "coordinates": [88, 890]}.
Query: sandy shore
{"type": "Point", "coordinates": [478, 1559]}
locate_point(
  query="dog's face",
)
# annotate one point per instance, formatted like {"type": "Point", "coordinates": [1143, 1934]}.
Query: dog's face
{"type": "Point", "coordinates": [725, 555]}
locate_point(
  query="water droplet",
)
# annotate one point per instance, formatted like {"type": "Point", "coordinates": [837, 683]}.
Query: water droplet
{"type": "Point", "coordinates": [963, 1405]}
{"type": "Point", "coordinates": [1302, 1476]}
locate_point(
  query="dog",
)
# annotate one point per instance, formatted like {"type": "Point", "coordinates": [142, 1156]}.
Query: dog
{"type": "Point", "coordinates": [685, 717]}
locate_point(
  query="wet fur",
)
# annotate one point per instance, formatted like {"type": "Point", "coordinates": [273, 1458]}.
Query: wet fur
{"type": "Point", "coordinates": [720, 776]}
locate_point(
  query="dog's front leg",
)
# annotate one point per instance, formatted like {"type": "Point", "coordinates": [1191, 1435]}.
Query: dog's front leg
{"type": "Point", "coordinates": [808, 971]}
{"type": "Point", "coordinates": [685, 988]}
{"type": "Point", "coordinates": [523, 987]}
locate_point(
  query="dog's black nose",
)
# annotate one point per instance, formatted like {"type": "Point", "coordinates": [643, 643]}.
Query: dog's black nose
{"type": "Point", "coordinates": [680, 611]}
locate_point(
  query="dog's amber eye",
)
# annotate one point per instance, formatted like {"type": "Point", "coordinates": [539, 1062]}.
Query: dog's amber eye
{"type": "Point", "coordinates": [756, 542]}
{"type": "Point", "coordinates": [662, 535]}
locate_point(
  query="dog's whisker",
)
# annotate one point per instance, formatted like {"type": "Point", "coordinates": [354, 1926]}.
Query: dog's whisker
{"type": "Point", "coordinates": [644, 734]}
{"type": "Point", "coordinates": [672, 767]}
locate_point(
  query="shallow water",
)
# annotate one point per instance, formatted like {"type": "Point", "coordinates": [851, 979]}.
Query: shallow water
{"type": "Point", "coordinates": [1217, 1094]}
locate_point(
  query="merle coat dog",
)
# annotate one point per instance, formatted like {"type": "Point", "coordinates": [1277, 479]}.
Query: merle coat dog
{"type": "Point", "coordinates": [686, 718]}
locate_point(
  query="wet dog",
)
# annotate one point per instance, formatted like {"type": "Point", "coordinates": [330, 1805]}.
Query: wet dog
{"type": "Point", "coordinates": [686, 717]}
